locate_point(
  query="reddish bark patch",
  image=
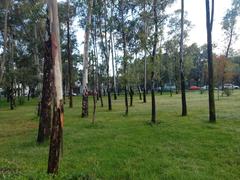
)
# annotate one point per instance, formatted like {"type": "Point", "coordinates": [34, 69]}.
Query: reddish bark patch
{"type": "Point", "coordinates": [54, 45]}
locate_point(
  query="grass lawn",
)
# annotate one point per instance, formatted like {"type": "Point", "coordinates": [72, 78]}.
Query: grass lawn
{"type": "Point", "coordinates": [119, 147]}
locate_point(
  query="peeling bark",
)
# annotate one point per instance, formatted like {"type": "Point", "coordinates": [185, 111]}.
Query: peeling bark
{"type": "Point", "coordinates": [56, 141]}
{"type": "Point", "coordinates": [85, 61]}
{"type": "Point", "coordinates": [44, 129]}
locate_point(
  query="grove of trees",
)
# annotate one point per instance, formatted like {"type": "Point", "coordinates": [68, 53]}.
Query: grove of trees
{"type": "Point", "coordinates": [129, 47]}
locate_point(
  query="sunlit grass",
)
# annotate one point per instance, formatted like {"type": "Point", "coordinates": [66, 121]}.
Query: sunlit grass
{"type": "Point", "coordinates": [120, 147]}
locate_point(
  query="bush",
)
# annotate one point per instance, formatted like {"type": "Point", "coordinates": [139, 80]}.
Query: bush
{"type": "Point", "coordinates": [228, 92]}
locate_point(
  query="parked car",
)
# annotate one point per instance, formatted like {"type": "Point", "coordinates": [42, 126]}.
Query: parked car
{"type": "Point", "coordinates": [168, 87]}
{"type": "Point", "coordinates": [235, 87]}
{"type": "Point", "coordinates": [194, 88]}
{"type": "Point", "coordinates": [230, 86]}
{"type": "Point", "coordinates": [204, 87]}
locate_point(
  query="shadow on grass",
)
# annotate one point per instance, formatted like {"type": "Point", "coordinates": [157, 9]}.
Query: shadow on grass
{"type": "Point", "coordinates": [149, 123]}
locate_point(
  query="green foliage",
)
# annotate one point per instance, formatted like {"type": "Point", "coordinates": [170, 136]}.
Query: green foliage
{"type": "Point", "coordinates": [120, 147]}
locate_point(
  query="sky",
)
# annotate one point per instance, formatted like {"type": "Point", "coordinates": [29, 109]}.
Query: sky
{"type": "Point", "coordinates": [197, 15]}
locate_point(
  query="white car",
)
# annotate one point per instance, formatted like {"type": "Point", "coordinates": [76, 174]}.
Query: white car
{"type": "Point", "coordinates": [230, 86]}
{"type": "Point", "coordinates": [204, 87]}
{"type": "Point", "coordinates": [235, 87]}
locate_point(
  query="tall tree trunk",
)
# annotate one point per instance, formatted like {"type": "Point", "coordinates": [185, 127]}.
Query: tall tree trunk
{"type": "Point", "coordinates": [176, 75]}
{"type": "Point", "coordinates": [94, 86]}
{"type": "Point", "coordinates": [56, 141]}
{"type": "Point", "coordinates": [229, 43]}
{"type": "Point", "coordinates": [209, 24]}
{"type": "Point", "coordinates": [44, 129]}
{"type": "Point", "coordinates": [131, 93]}
{"type": "Point", "coordinates": [11, 95]}
{"type": "Point", "coordinates": [106, 52]}
{"type": "Point", "coordinates": [153, 119]}
{"type": "Point", "coordinates": [107, 57]}
{"type": "Point", "coordinates": [94, 65]}
{"type": "Point", "coordinates": [5, 34]}
{"type": "Point", "coordinates": [184, 102]}
{"type": "Point", "coordinates": [145, 57]}
{"type": "Point", "coordinates": [116, 70]}
{"type": "Point", "coordinates": [145, 78]}
{"type": "Point", "coordinates": [85, 61]}
{"type": "Point", "coordinates": [113, 60]}
{"type": "Point", "coordinates": [94, 100]}
{"type": "Point", "coordinates": [11, 71]}
{"type": "Point", "coordinates": [98, 86]}
{"type": "Point", "coordinates": [69, 59]}
{"type": "Point", "coordinates": [140, 93]}
{"type": "Point", "coordinates": [36, 58]}
{"type": "Point", "coordinates": [124, 56]}
{"type": "Point", "coordinates": [100, 92]}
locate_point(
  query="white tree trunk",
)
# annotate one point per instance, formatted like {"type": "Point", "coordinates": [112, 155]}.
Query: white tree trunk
{"type": "Point", "coordinates": [85, 62]}
{"type": "Point", "coordinates": [5, 41]}
{"type": "Point", "coordinates": [86, 45]}
{"type": "Point", "coordinates": [57, 121]}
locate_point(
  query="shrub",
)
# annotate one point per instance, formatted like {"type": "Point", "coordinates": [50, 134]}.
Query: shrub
{"type": "Point", "coordinates": [228, 92]}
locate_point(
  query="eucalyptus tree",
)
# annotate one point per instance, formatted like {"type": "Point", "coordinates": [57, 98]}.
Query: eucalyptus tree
{"type": "Point", "coordinates": [10, 72]}
{"type": "Point", "coordinates": [69, 57]}
{"type": "Point", "coordinates": [145, 53]}
{"type": "Point", "coordinates": [96, 35]}
{"type": "Point", "coordinates": [229, 23]}
{"type": "Point", "coordinates": [122, 12]}
{"type": "Point", "coordinates": [179, 27]}
{"type": "Point", "coordinates": [184, 103]}
{"type": "Point", "coordinates": [153, 58]}
{"type": "Point", "coordinates": [159, 17]}
{"type": "Point", "coordinates": [145, 14]}
{"type": "Point", "coordinates": [105, 45]}
{"type": "Point", "coordinates": [5, 36]}
{"type": "Point", "coordinates": [69, 46]}
{"type": "Point", "coordinates": [85, 60]}
{"type": "Point", "coordinates": [56, 141]}
{"type": "Point", "coordinates": [113, 51]}
{"type": "Point", "coordinates": [44, 129]}
{"type": "Point", "coordinates": [209, 26]}
{"type": "Point", "coordinates": [94, 63]}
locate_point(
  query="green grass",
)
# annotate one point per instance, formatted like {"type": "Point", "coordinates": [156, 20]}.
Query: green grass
{"type": "Point", "coordinates": [119, 147]}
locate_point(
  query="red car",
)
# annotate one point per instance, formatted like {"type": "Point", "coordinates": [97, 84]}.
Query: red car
{"type": "Point", "coordinates": [194, 88]}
